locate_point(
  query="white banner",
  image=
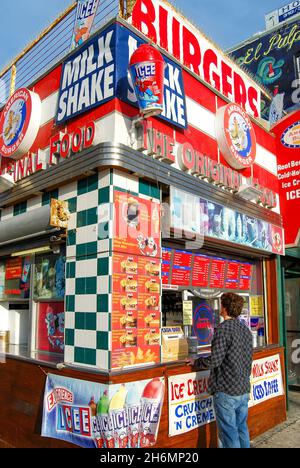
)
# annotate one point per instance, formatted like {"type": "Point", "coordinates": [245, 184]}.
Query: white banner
{"type": "Point", "coordinates": [85, 15]}
{"type": "Point", "coordinates": [190, 404]}
{"type": "Point", "coordinates": [266, 380]}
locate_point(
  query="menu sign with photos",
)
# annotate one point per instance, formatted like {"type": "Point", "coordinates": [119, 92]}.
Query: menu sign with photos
{"type": "Point", "coordinates": [136, 287]}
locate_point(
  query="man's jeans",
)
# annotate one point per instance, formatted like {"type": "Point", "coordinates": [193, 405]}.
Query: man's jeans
{"type": "Point", "coordinates": [232, 414]}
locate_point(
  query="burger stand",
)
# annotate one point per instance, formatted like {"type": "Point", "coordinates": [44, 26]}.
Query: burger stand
{"type": "Point", "coordinates": [120, 230]}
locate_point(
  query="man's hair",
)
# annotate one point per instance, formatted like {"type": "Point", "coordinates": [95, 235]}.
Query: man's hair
{"type": "Point", "coordinates": [233, 304]}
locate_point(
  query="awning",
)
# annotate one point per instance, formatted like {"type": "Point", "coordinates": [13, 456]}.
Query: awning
{"type": "Point", "coordinates": [34, 223]}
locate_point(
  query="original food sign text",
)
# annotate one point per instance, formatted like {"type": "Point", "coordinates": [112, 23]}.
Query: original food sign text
{"type": "Point", "coordinates": [176, 35]}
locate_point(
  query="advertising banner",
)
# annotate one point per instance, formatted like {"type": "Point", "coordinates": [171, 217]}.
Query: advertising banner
{"type": "Point", "coordinates": [85, 15]}
{"type": "Point", "coordinates": [14, 268]}
{"type": "Point", "coordinates": [217, 221]}
{"type": "Point", "coordinates": [190, 404]}
{"type": "Point", "coordinates": [136, 289]}
{"type": "Point", "coordinates": [50, 327]}
{"type": "Point", "coordinates": [288, 156]}
{"type": "Point", "coordinates": [93, 415]}
{"type": "Point", "coordinates": [93, 75]}
{"type": "Point", "coordinates": [266, 380]}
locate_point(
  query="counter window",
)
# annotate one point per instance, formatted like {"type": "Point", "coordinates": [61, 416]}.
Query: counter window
{"type": "Point", "coordinates": [193, 284]}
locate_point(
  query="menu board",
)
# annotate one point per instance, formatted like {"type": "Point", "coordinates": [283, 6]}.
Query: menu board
{"type": "Point", "coordinates": [181, 268]}
{"type": "Point", "coordinates": [13, 268]}
{"type": "Point", "coordinates": [245, 277]}
{"type": "Point", "coordinates": [232, 275]}
{"type": "Point", "coordinates": [217, 276]}
{"type": "Point", "coordinates": [200, 273]}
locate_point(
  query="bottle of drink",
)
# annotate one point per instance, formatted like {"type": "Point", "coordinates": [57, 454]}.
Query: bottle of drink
{"type": "Point", "coordinates": [94, 423]}
{"type": "Point", "coordinates": [102, 417]}
{"type": "Point", "coordinates": [261, 337]}
{"type": "Point", "coordinates": [151, 407]}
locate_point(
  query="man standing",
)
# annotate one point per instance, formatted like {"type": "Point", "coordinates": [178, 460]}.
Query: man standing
{"type": "Point", "coordinates": [230, 364]}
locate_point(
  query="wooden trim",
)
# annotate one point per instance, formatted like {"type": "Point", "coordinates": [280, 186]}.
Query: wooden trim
{"type": "Point", "coordinates": [272, 301]}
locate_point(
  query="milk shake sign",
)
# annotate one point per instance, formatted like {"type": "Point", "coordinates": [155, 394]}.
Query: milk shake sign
{"type": "Point", "coordinates": [168, 29]}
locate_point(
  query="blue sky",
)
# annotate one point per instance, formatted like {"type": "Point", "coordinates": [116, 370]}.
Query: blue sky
{"type": "Point", "coordinates": [227, 22]}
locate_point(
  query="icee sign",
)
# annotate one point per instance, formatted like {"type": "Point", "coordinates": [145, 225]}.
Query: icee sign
{"type": "Point", "coordinates": [98, 72]}
{"type": "Point", "coordinates": [174, 95]}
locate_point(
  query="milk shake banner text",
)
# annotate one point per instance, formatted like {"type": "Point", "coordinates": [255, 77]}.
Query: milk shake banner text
{"type": "Point", "coordinates": [98, 72]}
{"type": "Point", "coordinates": [85, 15]}
{"type": "Point", "coordinates": [190, 404]}
{"type": "Point", "coordinates": [94, 415]}
{"type": "Point", "coordinates": [266, 380]}
{"type": "Point", "coordinates": [173, 33]}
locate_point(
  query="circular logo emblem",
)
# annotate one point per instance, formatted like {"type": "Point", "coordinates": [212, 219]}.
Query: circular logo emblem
{"type": "Point", "coordinates": [236, 136]}
{"type": "Point", "coordinates": [204, 323]}
{"type": "Point", "coordinates": [291, 137]}
{"type": "Point", "coordinates": [19, 123]}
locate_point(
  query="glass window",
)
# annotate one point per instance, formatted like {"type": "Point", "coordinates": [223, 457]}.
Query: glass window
{"type": "Point", "coordinates": [49, 276]}
{"type": "Point", "coordinates": [15, 278]}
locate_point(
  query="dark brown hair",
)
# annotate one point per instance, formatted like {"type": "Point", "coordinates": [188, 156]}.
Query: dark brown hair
{"type": "Point", "coordinates": [233, 304]}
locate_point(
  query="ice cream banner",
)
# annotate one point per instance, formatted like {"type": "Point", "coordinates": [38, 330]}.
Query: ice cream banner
{"type": "Point", "coordinates": [266, 380]}
{"type": "Point", "coordinates": [94, 415]}
{"type": "Point", "coordinates": [85, 15]}
{"type": "Point", "coordinates": [190, 404]}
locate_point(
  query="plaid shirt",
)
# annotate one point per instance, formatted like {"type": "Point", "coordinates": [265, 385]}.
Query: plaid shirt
{"type": "Point", "coordinates": [231, 359]}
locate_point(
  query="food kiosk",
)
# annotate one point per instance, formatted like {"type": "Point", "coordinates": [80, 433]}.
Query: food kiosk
{"type": "Point", "coordinates": [121, 227]}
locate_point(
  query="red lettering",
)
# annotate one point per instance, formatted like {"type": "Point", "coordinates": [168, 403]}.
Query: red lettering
{"type": "Point", "coordinates": [54, 141]}
{"type": "Point", "coordinates": [176, 38]}
{"type": "Point", "coordinates": [188, 156]}
{"type": "Point", "coordinates": [226, 83]}
{"type": "Point", "coordinates": [29, 168]}
{"type": "Point", "coordinates": [77, 141]}
{"type": "Point", "coordinates": [163, 27]}
{"type": "Point", "coordinates": [210, 58]}
{"type": "Point", "coordinates": [253, 99]}
{"type": "Point", "coordinates": [191, 51]}
{"type": "Point", "coordinates": [89, 135]}
{"type": "Point", "coordinates": [240, 91]}
{"type": "Point", "coordinates": [170, 143]}
{"type": "Point", "coordinates": [144, 20]}
{"type": "Point", "coordinates": [65, 146]}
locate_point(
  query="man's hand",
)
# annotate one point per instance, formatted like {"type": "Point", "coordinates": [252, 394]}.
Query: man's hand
{"type": "Point", "coordinates": [190, 361]}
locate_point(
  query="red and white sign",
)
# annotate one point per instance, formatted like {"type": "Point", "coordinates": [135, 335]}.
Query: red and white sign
{"type": "Point", "coordinates": [266, 380]}
{"type": "Point", "coordinates": [236, 136]}
{"type": "Point", "coordinates": [19, 123]}
{"type": "Point", "coordinates": [172, 32]}
{"type": "Point", "coordinates": [288, 158]}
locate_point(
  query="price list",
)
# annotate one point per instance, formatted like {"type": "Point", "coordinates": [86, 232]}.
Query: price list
{"type": "Point", "coordinates": [217, 277]}
{"type": "Point", "coordinates": [232, 277]}
{"type": "Point", "coordinates": [245, 277]}
{"type": "Point", "coordinates": [200, 275]}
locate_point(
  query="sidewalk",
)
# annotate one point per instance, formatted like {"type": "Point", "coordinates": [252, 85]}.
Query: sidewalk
{"type": "Point", "coordinates": [287, 435]}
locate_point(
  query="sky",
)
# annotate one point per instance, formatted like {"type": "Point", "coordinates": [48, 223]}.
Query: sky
{"type": "Point", "coordinates": [226, 22]}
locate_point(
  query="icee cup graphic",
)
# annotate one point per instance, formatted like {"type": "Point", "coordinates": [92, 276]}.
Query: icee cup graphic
{"type": "Point", "coordinates": [151, 407]}
{"type": "Point", "coordinates": [118, 419]}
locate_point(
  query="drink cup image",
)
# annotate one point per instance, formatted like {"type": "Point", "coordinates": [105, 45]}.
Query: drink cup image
{"type": "Point", "coordinates": [133, 409]}
{"type": "Point", "coordinates": [102, 418]}
{"type": "Point", "coordinates": [151, 407]}
{"type": "Point", "coordinates": [118, 418]}
{"type": "Point", "coordinates": [147, 73]}
{"type": "Point", "coordinates": [98, 440]}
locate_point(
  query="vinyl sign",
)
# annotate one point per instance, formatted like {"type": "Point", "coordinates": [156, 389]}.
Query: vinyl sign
{"type": "Point", "coordinates": [172, 32]}
{"type": "Point", "coordinates": [85, 15]}
{"type": "Point", "coordinates": [266, 380]}
{"type": "Point", "coordinates": [88, 77]}
{"type": "Point", "coordinates": [98, 72]}
{"type": "Point", "coordinates": [174, 94]}
{"type": "Point", "coordinates": [190, 404]}
{"type": "Point", "coordinates": [93, 415]}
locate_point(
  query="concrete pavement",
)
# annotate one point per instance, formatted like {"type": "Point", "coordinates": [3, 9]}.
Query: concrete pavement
{"type": "Point", "coordinates": [287, 435]}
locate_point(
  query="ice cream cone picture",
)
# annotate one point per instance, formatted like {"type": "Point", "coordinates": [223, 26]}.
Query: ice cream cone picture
{"type": "Point", "coordinates": [131, 212]}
